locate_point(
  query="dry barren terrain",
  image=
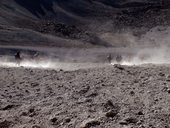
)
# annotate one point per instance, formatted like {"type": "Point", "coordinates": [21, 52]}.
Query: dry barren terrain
{"type": "Point", "coordinates": [110, 97]}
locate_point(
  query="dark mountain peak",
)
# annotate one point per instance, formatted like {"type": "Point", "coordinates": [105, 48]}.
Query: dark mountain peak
{"type": "Point", "coordinates": [37, 7]}
{"type": "Point", "coordinates": [82, 20]}
{"type": "Point", "coordinates": [82, 7]}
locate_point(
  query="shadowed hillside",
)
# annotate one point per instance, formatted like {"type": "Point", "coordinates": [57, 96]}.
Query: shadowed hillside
{"type": "Point", "coordinates": [78, 21]}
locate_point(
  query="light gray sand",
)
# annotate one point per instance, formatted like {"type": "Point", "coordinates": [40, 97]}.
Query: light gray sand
{"type": "Point", "coordinates": [109, 97]}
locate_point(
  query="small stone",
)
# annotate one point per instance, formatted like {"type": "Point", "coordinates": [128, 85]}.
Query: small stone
{"type": "Point", "coordinates": [103, 85]}
{"type": "Point", "coordinates": [32, 114]}
{"type": "Point", "coordinates": [151, 126]}
{"type": "Point", "coordinates": [89, 100]}
{"type": "Point", "coordinates": [168, 80]}
{"type": "Point", "coordinates": [131, 120]}
{"type": "Point", "coordinates": [156, 100]}
{"type": "Point", "coordinates": [5, 124]}
{"type": "Point", "coordinates": [36, 126]}
{"type": "Point", "coordinates": [92, 94]}
{"type": "Point", "coordinates": [132, 93]}
{"type": "Point", "coordinates": [168, 91]}
{"type": "Point", "coordinates": [84, 90]}
{"type": "Point", "coordinates": [38, 89]}
{"type": "Point", "coordinates": [67, 120]}
{"type": "Point", "coordinates": [123, 123]}
{"type": "Point", "coordinates": [34, 84]}
{"type": "Point", "coordinates": [111, 113]}
{"type": "Point", "coordinates": [135, 81]}
{"type": "Point", "coordinates": [90, 123]}
{"type": "Point", "coordinates": [118, 66]}
{"type": "Point", "coordinates": [61, 70]}
{"type": "Point", "coordinates": [161, 74]}
{"type": "Point", "coordinates": [141, 126]}
{"type": "Point", "coordinates": [31, 110]}
{"type": "Point", "coordinates": [53, 120]}
{"type": "Point", "coordinates": [26, 91]}
{"type": "Point", "coordinates": [165, 89]}
{"type": "Point", "coordinates": [128, 121]}
{"type": "Point", "coordinates": [109, 104]}
{"type": "Point", "coordinates": [140, 113]}
{"type": "Point", "coordinates": [24, 114]}
{"type": "Point", "coordinates": [8, 107]}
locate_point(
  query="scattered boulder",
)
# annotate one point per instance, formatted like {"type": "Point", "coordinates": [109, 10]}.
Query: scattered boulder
{"type": "Point", "coordinates": [132, 93]}
{"type": "Point", "coordinates": [129, 120]}
{"type": "Point", "coordinates": [8, 107]}
{"type": "Point", "coordinates": [161, 74]}
{"type": "Point", "coordinates": [165, 89]}
{"type": "Point", "coordinates": [168, 91]}
{"type": "Point", "coordinates": [140, 113]}
{"type": "Point", "coordinates": [118, 66]}
{"type": "Point", "coordinates": [111, 113]}
{"type": "Point", "coordinates": [24, 114]}
{"type": "Point", "coordinates": [61, 70]}
{"type": "Point", "coordinates": [31, 110]}
{"type": "Point", "coordinates": [123, 123]}
{"type": "Point", "coordinates": [90, 123]}
{"type": "Point", "coordinates": [108, 104]}
{"type": "Point", "coordinates": [26, 91]}
{"type": "Point", "coordinates": [53, 121]}
{"type": "Point", "coordinates": [92, 94]}
{"type": "Point", "coordinates": [168, 79]}
{"type": "Point", "coordinates": [36, 126]}
{"type": "Point", "coordinates": [34, 84]}
{"type": "Point", "coordinates": [67, 120]}
{"type": "Point", "coordinates": [84, 90]}
{"type": "Point", "coordinates": [5, 124]}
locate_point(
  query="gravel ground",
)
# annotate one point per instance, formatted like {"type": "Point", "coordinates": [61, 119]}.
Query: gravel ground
{"type": "Point", "coordinates": [110, 97]}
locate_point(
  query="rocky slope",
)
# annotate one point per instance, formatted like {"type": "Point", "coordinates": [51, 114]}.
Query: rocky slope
{"type": "Point", "coordinates": [111, 97]}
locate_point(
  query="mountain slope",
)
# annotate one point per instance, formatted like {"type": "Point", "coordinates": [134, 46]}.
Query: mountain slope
{"type": "Point", "coordinates": [81, 20]}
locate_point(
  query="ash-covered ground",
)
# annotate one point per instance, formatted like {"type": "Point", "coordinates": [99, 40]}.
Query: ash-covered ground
{"type": "Point", "coordinates": [109, 97]}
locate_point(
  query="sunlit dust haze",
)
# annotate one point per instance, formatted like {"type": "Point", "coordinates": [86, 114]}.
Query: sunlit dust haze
{"type": "Point", "coordinates": [150, 48]}
{"type": "Point", "coordinates": [140, 56]}
{"type": "Point", "coordinates": [147, 56]}
{"type": "Point", "coordinates": [8, 62]}
{"type": "Point", "coordinates": [49, 64]}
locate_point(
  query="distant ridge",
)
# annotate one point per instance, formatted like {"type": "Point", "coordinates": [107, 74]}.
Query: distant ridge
{"type": "Point", "coordinates": [80, 20]}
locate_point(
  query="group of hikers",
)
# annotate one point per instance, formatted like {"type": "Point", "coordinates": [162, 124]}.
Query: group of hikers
{"type": "Point", "coordinates": [18, 57]}
{"type": "Point", "coordinates": [118, 58]}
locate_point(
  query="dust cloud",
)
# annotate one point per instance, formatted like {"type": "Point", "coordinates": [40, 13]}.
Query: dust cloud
{"type": "Point", "coordinates": [152, 47]}
{"type": "Point", "coordinates": [158, 55]}
{"type": "Point", "coordinates": [49, 64]}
